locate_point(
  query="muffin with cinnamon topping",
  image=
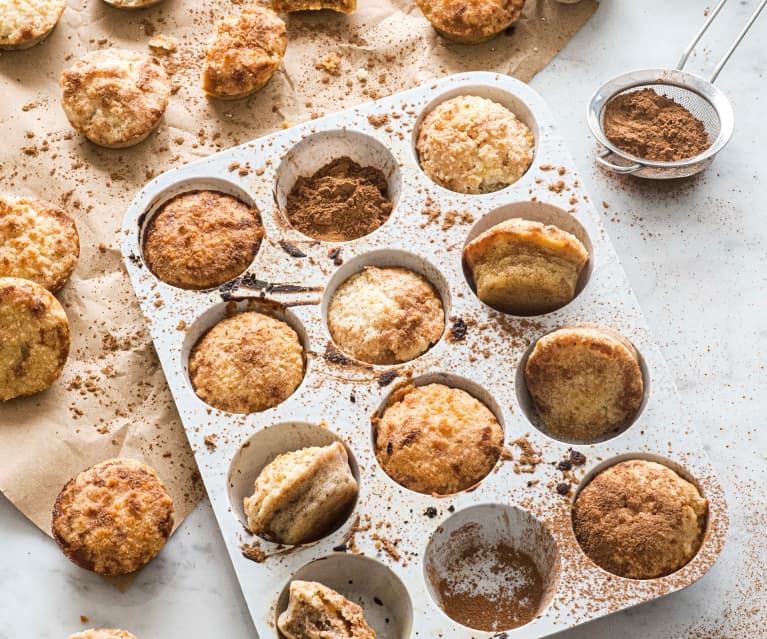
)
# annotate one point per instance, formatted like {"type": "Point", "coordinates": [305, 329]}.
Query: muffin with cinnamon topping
{"type": "Point", "coordinates": [25, 23]}
{"type": "Point", "coordinates": [472, 21]}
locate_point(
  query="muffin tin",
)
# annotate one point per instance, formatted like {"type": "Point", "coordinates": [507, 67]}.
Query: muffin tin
{"type": "Point", "coordinates": [383, 554]}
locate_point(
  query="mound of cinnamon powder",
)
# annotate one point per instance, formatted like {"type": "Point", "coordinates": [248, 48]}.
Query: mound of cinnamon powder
{"type": "Point", "coordinates": [340, 202]}
{"type": "Point", "coordinates": [648, 125]}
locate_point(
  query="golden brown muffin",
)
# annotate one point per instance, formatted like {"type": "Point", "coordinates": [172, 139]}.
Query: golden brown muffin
{"type": "Point", "coordinates": [436, 439]}
{"type": "Point", "coordinates": [133, 4]}
{"type": "Point", "coordinates": [525, 268]}
{"type": "Point", "coordinates": [471, 21]}
{"type": "Point", "coordinates": [247, 363]}
{"type": "Point", "coordinates": [289, 6]}
{"type": "Point", "coordinates": [24, 23]}
{"type": "Point", "coordinates": [640, 520]}
{"type": "Point", "coordinates": [113, 518]}
{"type": "Point", "coordinates": [202, 239]}
{"type": "Point", "coordinates": [301, 495]}
{"type": "Point", "coordinates": [473, 145]}
{"type": "Point", "coordinates": [385, 315]}
{"type": "Point", "coordinates": [245, 53]}
{"type": "Point", "coordinates": [115, 97]}
{"type": "Point", "coordinates": [318, 612]}
{"type": "Point", "coordinates": [104, 633]}
{"type": "Point", "coordinates": [38, 242]}
{"type": "Point", "coordinates": [34, 338]}
{"type": "Point", "coordinates": [585, 382]}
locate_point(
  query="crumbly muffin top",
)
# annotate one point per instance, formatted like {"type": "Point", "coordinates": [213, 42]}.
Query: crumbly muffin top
{"type": "Point", "coordinates": [341, 6]}
{"type": "Point", "coordinates": [113, 518]}
{"type": "Point", "coordinates": [436, 439]}
{"type": "Point", "coordinates": [38, 242]}
{"type": "Point", "coordinates": [35, 338]}
{"type": "Point", "coordinates": [472, 21]}
{"type": "Point", "coordinates": [103, 633]}
{"type": "Point", "coordinates": [473, 145]}
{"type": "Point", "coordinates": [115, 97]}
{"type": "Point", "coordinates": [202, 239]}
{"type": "Point", "coordinates": [585, 381]}
{"type": "Point", "coordinates": [24, 22]}
{"type": "Point", "coordinates": [386, 315]}
{"type": "Point", "coordinates": [247, 363]}
{"type": "Point", "coordinates": [640, 519]}
{"type": "Point", "coordinates": [245, 52]}
{"type": "Point", "coordinates": [318, 612]}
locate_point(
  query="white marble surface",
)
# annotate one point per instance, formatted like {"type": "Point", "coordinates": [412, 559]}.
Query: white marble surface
{"type": "Point", "coordinates": [696, 253]}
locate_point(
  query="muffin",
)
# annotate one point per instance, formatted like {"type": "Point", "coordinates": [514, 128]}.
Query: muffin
{"type": "Point", "coordinates": [113, 518]}
{"type": "Point", "coordinates": [385, 315]}
{"type": "Point", "coordinates": [133, 4]}
{"type": "Point", "coordinates": [105, 633]}
{"type": "Point", "coordinates": [24, 23]}
{"type": "Point", "coordinates": [585, 382]}
{"type": "Point", "coordinates": [317, 612]}
{"type": "Point", "coordinates": [288, 6]}
{"type": "Point", "coordinates": [436, 439]}
{"type": "Point", "coordinates": [640, 520]}
{"type": "Point", "coordinates": [245, 53]}
{"type": "Point", "coordinates": [473, 21]}
{"type": "Point", "coordinates": [525, 268]}
{"type": "Point", "coordinates": [115, 97]}
{"type": "Point", "coordinates": [247, 363]}
{"type": "Point", "coordinates": [473, 145]}
{"type": "Point", "coordinates": [301, 495]}
{"type": "Point", "coordinates": [202, 239]}
{"type": "Point", "coordinates": [34, 338]}
{"type": "Point", "coordinates": [38, 242]}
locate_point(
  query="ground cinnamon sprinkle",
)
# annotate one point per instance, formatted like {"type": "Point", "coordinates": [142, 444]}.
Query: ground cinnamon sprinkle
{"type": "Point", "coordinates": [340, 202]}
{"type": "Point", "coordinates": [648, 125]}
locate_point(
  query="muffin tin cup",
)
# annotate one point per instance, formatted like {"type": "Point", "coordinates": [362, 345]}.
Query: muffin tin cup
{"type": "Point", "coordinates": [390, 525]}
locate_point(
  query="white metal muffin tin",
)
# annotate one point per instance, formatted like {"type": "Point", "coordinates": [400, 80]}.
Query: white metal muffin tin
{"type": "Point", "coordinates": [338, 399]}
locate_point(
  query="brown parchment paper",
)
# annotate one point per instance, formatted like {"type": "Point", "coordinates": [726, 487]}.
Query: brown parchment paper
{"type": "Point", "coordinates": [112, 399]}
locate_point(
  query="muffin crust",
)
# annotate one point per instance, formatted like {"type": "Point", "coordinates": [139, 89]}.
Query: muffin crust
{"type": "Point", "coordinates": [436, 439]}
{"type": "Point", "coordinates": [25, 23]}
{"type": "Point", "coordinates": [289, 6]}
{"type": "Point", "coordinates": [247, 363]}
{"type": "Point", "coordinates": [473, 145]}
{"type": "Point", "coordinates": [525, 268]}
{"type": "Point", "coordinates": [34, 338]}
{"type": "Point", "coordinates": [38, 242]}
{"type": "Point", "coordinates": [318, 612]}
{"type": "Point", "coordinates": [104, 633]}
{"type": "Point", "coordinates": [245, 53]}
{"type": "Point", "coordinates": [202, 239]}
{"type": "Point", "coordinates": [640, 519]}
{"type": "Point", "coordinates": [301, 495]}
{"type": "Point", "coordinates": [113, 518]}
{"type": "Point", "coordinates": [471, 22]}
{"type": "Point", "coordinates": [115, 97]}
{"type": "Point", "coordinates": [385, 315]}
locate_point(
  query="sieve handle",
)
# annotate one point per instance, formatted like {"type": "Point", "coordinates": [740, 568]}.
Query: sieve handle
{"type": "Point", "coordinates": [735, 44]}
{"type": "Point", "coordinates": [623, 170]}
{"type": "Point", "coordinates": [699, 35]}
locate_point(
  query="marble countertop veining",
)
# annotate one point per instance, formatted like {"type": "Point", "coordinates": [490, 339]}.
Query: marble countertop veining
{"type": "Point", "coordinates": [696, 254]}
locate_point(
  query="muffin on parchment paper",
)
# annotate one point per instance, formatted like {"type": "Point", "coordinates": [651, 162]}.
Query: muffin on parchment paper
{"type": "Point", "coordinates": [202, 239]}
{"type": "Point", "coordinates": [302, 494]}
{"type": "Point", "coordinates": [113, 518]}
{"type": "Point", "coordinates": [103, 633]}
{"type": "Point", "coordinates": [38, 242]}
{"type": "Point", "coordinates": [341, 6]}
{"type": "Point", "coordinates": [115, 97]}
{"type": "Point", "coordinates": [34, 338]}
{"type": "Point", "coordinates": [247, 363]}
{"type": "Point", "coordinates": [317, 612]}
{"type": "Point", "coordinates": [24, 23]}
{"type": "Point", "coordinates": [473, 145]}
{"type": "Point", "coordinates": [471, 21]}
{"type": "Point", "coordinates": [133, 4]}
{"type": "Point", "coordinates": [640, 519]}
{"type": "Point", "coordinates": [585, 382]}
{"type": "Point", "coordinates": [524, 267]}
{"type": "Point", "coordinates": [245, 53]}
{"type": "Point", "coordinates": [435, 439]}
{"type": "Point", "coordinates": [385, 315]}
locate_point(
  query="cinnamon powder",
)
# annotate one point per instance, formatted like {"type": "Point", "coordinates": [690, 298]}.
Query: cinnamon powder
{"type": "Point", "coordinates": [651, 126]}
{"type": "Point", "coordinates": [340, 202]}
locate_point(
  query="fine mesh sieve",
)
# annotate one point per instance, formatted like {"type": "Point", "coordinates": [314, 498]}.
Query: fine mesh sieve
{"type": "Point", "coordinates": [698, 95]}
